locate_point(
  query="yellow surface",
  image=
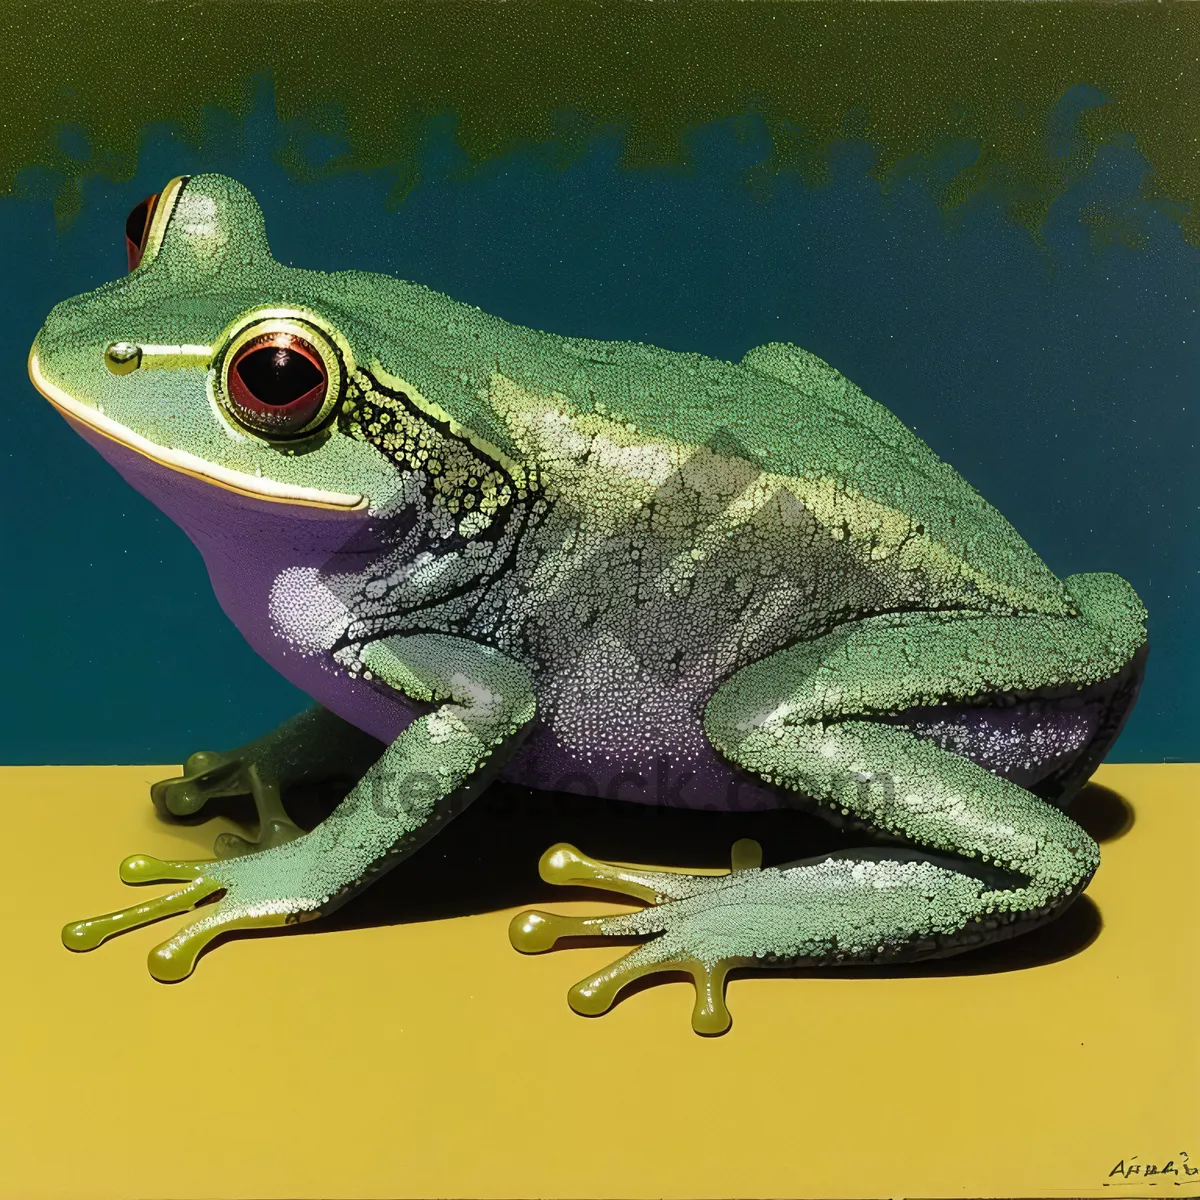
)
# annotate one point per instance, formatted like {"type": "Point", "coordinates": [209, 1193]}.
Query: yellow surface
{"type": "Point", "coordinates": [430, 1059]}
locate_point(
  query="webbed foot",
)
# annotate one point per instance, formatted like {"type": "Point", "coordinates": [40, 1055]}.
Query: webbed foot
{"type": "Point", "coordinates": [207, 775]}
{"type": "Point", "coordinates": [681, 912]}
{"type": "Point", "coordinates": [853, 906]}
{"type": "Point", "coordinates": [237, 894]}
{"type": "Point", "coordinates": [316, 746]}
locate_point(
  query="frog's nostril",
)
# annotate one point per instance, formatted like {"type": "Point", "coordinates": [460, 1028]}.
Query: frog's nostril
{"type": "Point", "coordinates": [137, 229]}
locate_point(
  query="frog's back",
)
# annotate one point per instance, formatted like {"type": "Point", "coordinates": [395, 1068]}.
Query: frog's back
{"type": "Point", "coordinates": [782, 409]}
{"type": "Point", "coordinates": [792, 415]}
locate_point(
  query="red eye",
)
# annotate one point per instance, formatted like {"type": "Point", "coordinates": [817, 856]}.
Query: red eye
{"type": "Point", "coordinates": [277, 384]}
{"type": "Point", "coordinates": [137, 229]}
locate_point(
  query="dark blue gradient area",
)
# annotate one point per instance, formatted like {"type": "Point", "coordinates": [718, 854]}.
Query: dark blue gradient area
{"type": "Point", "coordinates": [1058, 375]}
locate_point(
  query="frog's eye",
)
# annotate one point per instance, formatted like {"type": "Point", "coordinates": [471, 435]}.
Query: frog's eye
{"type": "Point", "coordinates": [277, 384]}
{"type": "Point", "coordinates": [137, 229]}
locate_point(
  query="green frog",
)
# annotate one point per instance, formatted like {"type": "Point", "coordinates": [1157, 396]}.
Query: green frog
{"type": "Point", "coordinates": [485, 550]}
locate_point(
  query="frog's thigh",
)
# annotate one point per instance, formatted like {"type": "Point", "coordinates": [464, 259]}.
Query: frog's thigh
{"type": "Point", "coordinates": [792, 719]}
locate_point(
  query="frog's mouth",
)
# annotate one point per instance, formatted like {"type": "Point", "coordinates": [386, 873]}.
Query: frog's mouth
{"type": "Point", "coordinates": [257, 487]}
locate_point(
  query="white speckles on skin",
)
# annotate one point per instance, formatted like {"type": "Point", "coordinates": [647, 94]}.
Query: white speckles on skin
{"type": "Point", "coordinates": [196, 215]}
{"type": "Point", "coordinates": [305, 612]}
{"type": "Point", "coordinates": [836, 907]}
{"type": "Point", "coordinates": [1014, 746]}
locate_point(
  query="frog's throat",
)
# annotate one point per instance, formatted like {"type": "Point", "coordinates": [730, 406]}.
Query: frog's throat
{"type": "Point", "coordinates": [190, 464]}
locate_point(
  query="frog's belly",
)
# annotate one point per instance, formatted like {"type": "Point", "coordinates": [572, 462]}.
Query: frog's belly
{"type": "Point", "coordinates": [650, 748]}
{"type": "Point", "coordinates": [689, 777]}
{"type": "Point", "coordinates": [1024, 743]}
{"type": "Point", "coordinates": [632, 739]}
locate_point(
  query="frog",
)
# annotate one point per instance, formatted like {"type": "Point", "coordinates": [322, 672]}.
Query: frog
{"type": "Point", "coordinates": [487, 552]}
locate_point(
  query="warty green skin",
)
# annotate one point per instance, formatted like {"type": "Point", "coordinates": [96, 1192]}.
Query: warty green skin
{"type": "Point", "coordinates": [641, 551]}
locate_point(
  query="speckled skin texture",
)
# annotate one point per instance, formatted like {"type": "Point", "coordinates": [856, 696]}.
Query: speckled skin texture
{"type": "Point", "coordinates": [617, 570]}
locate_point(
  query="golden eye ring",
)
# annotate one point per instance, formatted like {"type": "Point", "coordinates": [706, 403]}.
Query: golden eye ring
{"type": "Point", "coordinates": [280, 377]}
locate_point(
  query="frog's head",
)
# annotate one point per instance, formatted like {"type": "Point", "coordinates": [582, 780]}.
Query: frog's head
{"type": "Point", "coordinates": [213, 360]}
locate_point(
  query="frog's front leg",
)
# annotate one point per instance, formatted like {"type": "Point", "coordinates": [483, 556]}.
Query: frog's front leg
{"type": "Point", "coordinates": [484, 705]}
{"type": "Point", "coordinates": [315, 746]}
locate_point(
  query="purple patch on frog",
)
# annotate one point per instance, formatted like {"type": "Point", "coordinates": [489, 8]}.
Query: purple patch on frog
{"type": "Point", "coordinates": [245, 544]}
{"type": "Point", "coordinates": [695, 779]}
{"type": "Point", "coordinates": [1024, 743]}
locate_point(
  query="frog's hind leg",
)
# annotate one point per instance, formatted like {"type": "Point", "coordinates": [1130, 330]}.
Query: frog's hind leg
{"type": "Point", "coordinates": [800, 720]}
{"type": "Point", "coordinates": [985, 857]}
{"type": "Point", "coordinates": [315, 746]}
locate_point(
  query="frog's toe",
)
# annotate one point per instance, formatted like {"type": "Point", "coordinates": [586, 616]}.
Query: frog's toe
{"type": "Point", "coordinates": [206, 774]}
{"type": "Point", "coordinates": [564, 865]}
{"type": "Point", "coordinates": [533, 931]}
{"type": "Point", "coordinates": [90, 933]}
{"type": "Point", "coordinates": [175, 959]}
{"type": "Point", "coordinates": [595, 995]}
{"type": "Point", "coordinates": [145, 868]}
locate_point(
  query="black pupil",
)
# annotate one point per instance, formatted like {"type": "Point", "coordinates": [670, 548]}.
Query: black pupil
{"type": "Point", "coordinates": [135, 223]}
{"type": "Point", "coordinates": [278, 375]}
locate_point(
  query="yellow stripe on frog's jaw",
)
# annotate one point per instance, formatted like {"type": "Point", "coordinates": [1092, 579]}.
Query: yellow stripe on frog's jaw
{"type": "Point", "coordinates": [257, 487]}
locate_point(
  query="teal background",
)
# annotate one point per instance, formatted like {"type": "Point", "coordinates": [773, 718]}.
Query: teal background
{"type": "Point", "coordinates": [1057, 372]}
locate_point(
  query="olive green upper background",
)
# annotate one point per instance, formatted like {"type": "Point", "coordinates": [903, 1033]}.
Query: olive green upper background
{"type": "Point", "coordinates": [913, 79]}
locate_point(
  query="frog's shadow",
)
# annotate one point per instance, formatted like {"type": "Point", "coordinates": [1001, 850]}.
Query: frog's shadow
{"type": "Point", "coordinates": [487, 859]}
